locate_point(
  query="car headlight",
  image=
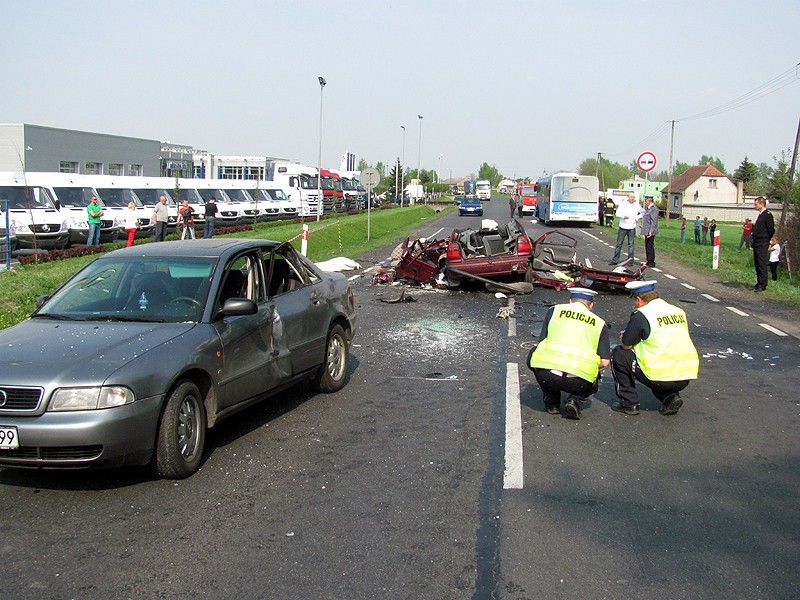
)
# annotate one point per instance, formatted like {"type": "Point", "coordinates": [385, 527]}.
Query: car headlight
{"type": "Point", "coordinates": [92, 398]}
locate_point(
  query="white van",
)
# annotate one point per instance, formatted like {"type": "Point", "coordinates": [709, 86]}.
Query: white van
{"type": "Point", "coordinates": [150, 189]}
{"type": "Point", "coordinates": [115, 193]}
{"type": "Point", "coordinates": [199, 192]}
{"type": "Point", "coordinates": [34, 218]}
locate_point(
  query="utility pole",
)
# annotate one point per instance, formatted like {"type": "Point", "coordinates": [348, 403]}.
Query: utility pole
{"type": "Point", "coordinates": [789, 178]}
{"type": "Point", "coordinates": [669, 179]}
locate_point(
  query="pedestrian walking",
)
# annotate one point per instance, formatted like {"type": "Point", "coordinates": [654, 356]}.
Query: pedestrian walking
{"type": "Point", "coordinates": [655, 350]}
{"type": "Point", "coordinates": [650, 230]}
{"type": "Point", "coordinates": [94, 212]}
{"type": "Point", "coordinates": [131, 223]}
{"type": "Point", "coordinates": [774, 256]}
{"type": "Point", "coordinates": [763, 230]}
{"type": "Point", "coordinates": [628, 212]}
{"type": "Point", "coordinates": [573, 347]}
{"type": "Point", "coordinates": [747, 230]}
{"type": "Point", "coordinates": [210, 218]}
{"type": "Point", "coordinates": [186, 221]}
{"type": "Point", "coordinates": [160, 219]}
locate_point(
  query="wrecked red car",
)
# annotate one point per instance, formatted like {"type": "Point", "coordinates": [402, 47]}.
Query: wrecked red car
{"type": "Point", "coordinates": [496, 252]}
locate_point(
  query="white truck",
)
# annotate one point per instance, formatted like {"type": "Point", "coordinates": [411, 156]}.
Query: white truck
{"type": "Point", "coordinates": [483, 188]}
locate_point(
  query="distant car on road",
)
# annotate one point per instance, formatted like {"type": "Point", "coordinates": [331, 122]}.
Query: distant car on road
{"type": "Point", "coordinates": [144, 349]}
{"type": "Point", "coordinates": [470, 205]}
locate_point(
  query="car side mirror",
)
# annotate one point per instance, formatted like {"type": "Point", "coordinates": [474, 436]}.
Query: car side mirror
{"type": "Point", "coordinates": [235, 307]}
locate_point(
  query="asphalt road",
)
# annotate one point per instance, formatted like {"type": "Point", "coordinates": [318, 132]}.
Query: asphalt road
{"type": "Point", "coordinates": [396, 486]}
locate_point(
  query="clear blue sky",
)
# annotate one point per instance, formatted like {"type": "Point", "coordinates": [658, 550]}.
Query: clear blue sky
{"type": "Point", "coordinates": [525, 85]}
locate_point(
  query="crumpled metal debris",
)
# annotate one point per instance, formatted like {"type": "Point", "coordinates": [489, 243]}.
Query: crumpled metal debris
{"type": "Point", "coordinates": [399, 299]}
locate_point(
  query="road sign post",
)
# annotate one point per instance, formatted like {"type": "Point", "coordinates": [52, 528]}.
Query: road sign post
{"type": "Point", "coordinates": [715, 256]}
{"type": "Point", "coordinates": [369, 178]}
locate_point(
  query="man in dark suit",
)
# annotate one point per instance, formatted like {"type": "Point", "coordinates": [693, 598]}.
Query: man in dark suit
{"type": "Point", "coordinates": [763, 230]}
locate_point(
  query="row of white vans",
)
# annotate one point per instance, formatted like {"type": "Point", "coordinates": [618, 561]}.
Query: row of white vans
{"type": "Point", "coordinates": [48, 210]}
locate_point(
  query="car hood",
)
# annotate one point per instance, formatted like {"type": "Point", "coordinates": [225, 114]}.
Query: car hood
{"type": "Point", "coordinates": [79, 353]}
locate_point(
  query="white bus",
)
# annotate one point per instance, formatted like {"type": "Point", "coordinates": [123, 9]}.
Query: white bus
{"type": "Point", "coordinates": [567, 198]}
{"type": "Point", "coordinates": [483, 189]}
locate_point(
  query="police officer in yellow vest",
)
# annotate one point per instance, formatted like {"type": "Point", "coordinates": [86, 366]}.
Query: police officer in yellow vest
{"type": "Point", "coordinates": [656, 350]}
{"type": "Point", "coordinates": [573, 347]}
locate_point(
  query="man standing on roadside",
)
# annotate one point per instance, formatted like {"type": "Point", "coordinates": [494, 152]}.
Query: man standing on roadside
{"type": "Point", "coordinates": [573, 347]}
{"type": "Point", "coordinates": [628, 212]}
{"type": "Point", "coordinates": [655, 350]}
{"type": "Point", "coordinates": [650, 230]}
{"type": "Point", "coordinates": [160, 219]}
{"type": "Point", "coordinates": [93, 213]}
{"type": "Point", "coordinates": [211, 218]}
{"type": "Point", "coordinates": [763, 230]}
{"type": "Point", "coordinates": [747, 230]}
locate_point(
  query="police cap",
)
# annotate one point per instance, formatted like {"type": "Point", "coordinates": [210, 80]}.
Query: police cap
{"type": "Point", "coordinates": [639, 287]}
{"type": "Point", "coordinates": [582, 293]}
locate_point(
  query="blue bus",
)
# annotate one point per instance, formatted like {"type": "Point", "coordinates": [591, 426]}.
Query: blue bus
{"type": "Point", "coordinates": [567, 198]}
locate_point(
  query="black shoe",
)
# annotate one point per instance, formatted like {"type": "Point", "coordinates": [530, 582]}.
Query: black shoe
{"type": "Point", "coordinates": [572, 409]}
{"type": "Point", "coordinates": [613, 262]}
{"type": "Point", "coordinates": [758, 288]}
{"type": "Point", "coordinates": [628, 410]}
{"type": "Point", "coordinates": [671, 405]}
{"type": "Point", "coordinates": [553, 409]}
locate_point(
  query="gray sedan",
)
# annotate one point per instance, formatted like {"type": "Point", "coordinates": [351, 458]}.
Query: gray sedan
{"type": "Point", "coordinates": [132, 359]}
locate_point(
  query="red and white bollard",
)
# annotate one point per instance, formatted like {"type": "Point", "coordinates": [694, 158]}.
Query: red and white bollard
{"type": "Point", "coordinates": [304, 240]}
{"type": "Point", "coordinates": [715, 256]}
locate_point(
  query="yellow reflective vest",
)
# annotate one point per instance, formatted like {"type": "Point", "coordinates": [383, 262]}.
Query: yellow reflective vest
{"type": "Point", "coordinates": [571, 343]}
{"type": "Point", "coordinates": [668, 354]}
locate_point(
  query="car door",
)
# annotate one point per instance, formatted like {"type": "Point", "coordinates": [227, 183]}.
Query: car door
{"type": "Point", "coordinates": [300, 300]}
{"type": "Point", "coordinates": [255, 355]}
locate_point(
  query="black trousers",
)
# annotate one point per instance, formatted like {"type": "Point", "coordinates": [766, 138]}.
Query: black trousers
{"type": "Point", "coordinates": [160, 231]}
{"type": "Point", "coordinates": [626, 373]}
{"type": "Point", "coordinates": [650, 251]}
{"type": "Point", "coordinates": [760, 259]}
{"type": "Point", "coordinates": [552, 385]}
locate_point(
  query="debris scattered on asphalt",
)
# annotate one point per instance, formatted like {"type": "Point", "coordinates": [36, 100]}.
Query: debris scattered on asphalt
{"type": "Point", "coordinates": [401, 298]}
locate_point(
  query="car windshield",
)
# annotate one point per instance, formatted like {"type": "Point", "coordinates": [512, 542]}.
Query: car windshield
{"type": "Point", "coordinates": [21, 197]}
{"type": "Point", "coordinates": [119, 198]}
{"type": "Point", "coordinates": [150, 289]}
{"type": "Point", "coordinates": [76, 196]}
{"type": "Point", "coordinates": [309, 182]}
{"type": "Point", "coordinates": [239, 196]}
{"type": "Point", "coordinates": [276, 194]}
{"type": "Point", "coordinates": [149, 196]}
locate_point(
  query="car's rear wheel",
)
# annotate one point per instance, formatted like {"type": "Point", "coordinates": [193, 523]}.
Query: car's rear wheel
{"type": "Point", "coordinates": [181, 433]}
{"type": "Point", "coordinates": [333, 371]}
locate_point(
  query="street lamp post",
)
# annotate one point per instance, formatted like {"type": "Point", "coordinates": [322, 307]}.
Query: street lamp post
{"type": "Point", "coordinates": [419, 151]}
{"type": "Point", "coordinates": [322, 83]}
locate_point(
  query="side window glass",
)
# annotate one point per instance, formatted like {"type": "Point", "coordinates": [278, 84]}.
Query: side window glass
{"type": "Point", "coordinates": [243, 278]}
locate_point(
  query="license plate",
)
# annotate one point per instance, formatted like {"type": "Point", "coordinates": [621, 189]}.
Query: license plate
{"type": "Point", "coordinates": [8, 438]}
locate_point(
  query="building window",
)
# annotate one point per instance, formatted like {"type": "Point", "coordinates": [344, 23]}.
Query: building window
{"type": "Point", "coordinates": [66, 166]}
{"type": "Point", "coordinates": [712, 183]}
{"type": "Point", "coordinates": [93, 168]}
{"type": "Point", "coordinates": [135, 170]}
{"type": "Point", "coordinates": [115, 169]}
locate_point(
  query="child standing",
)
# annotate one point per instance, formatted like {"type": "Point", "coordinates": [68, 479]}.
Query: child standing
{"type": "Point", "coordinates": [774, 256]}
{"type": "Point", "coordinates": [683, 230]}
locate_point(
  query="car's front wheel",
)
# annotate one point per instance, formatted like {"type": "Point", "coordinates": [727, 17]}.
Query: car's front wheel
{"type": "Point", "coordinates": [333, 371]}
{"type": "Point", "coordinates": [181, 433]}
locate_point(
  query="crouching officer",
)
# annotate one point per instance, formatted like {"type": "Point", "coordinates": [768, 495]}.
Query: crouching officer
{"type": "Point", "coordinates": [656, 350]}
{"type": "Point", "coordinates": [573, 346]}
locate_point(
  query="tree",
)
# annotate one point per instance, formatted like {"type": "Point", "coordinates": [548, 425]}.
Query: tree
{"type": "Point", "coordinates": [714, 161]}
{"type": "Point", "coordinates": [609, 174]}
{"type": "Point", "coordinates": [680, 167]}
{"type": "Point", "coordinates": [747, 173]}
{"type": "Point", "coordinates": [393, 181]}
{"type": "Point", "coordinates": [362, 164]}
{"type": "Point", "coordinates": [381, 168]}
{"type": "Point", "coordinates": [491, 173]}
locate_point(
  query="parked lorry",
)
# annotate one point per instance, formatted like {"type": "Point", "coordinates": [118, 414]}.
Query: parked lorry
{"type": "Point", "coordinates": [483, 189]}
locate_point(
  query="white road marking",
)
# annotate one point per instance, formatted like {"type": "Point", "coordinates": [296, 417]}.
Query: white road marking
{"type": "Point", "coordinates": [513, 474]}
{"type": "Point", "coordinates": [512, 327]}
{"type": "Point", "coordinates": [586, 233]}
{"type": "Point", "coordinates": [710, 297]}
{"type": "Point", "coordinates": [668, 276]}
{"type": "Point", "coordinates": [656, 269]}
{"type": "Point", "coordinates": [688, 287]}
{"type": "Point", "coordinates": [741, 313]}
{"type": "Point", "coordinates": [773, 330]}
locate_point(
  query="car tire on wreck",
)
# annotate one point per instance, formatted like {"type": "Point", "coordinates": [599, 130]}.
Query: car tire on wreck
{"type": "Point", "coordinates": [332, 374]}
{"type": "Point", "coordinates": [181, 433]}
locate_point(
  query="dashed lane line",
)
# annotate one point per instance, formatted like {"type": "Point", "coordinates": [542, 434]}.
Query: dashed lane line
{"type": "Point", "coordinates": [668, 276]}
{"type": "Point", "coordinates": [741, 313]}
{"type": "Point", "coordinates": [710, 297]}
{"type": "Point", "coordinates": [773, 330]}
{"type": "Point", "coordinates": [513, 474]}
{"type": "Point", "coordinates": [688, 287]}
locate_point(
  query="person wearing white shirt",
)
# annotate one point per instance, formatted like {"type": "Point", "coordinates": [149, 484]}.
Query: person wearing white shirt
{"type": "Point", "coordinates": [131, 222]}
{"type": "Point", "coordinates": [628, 213]}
